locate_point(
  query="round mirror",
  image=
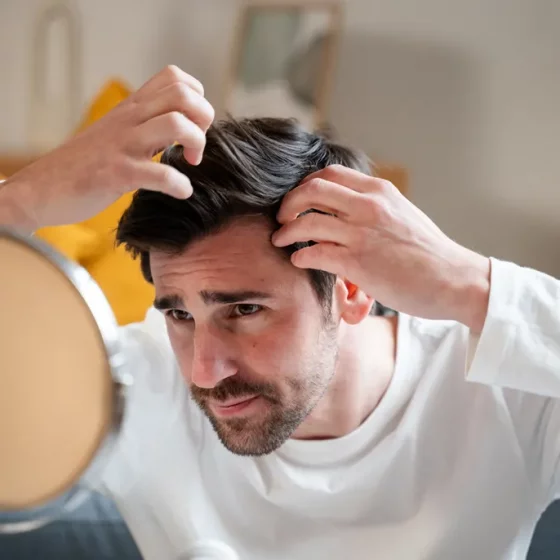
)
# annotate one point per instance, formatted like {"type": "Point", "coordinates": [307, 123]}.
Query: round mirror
{"type": "Point", "coordinates": [62, 383]}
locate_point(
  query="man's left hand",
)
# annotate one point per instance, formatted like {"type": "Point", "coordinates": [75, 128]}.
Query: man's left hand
{"type": "Point", "coordinates": [377, 239]}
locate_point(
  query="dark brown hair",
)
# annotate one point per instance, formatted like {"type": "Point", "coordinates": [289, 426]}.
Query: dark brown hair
{"type": "Point", "coordinates": [248, 167]}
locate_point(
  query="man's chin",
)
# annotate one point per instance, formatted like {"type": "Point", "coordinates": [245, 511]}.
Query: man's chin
{"type": "Point", "coordinates": [257, 430]}
{"type": "Point", "coordinates": [251, 450]}
{"type": "Point", "coordinates": [242, 436]}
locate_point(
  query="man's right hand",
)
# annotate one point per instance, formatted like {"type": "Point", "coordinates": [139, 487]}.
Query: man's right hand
{"type": "Point", "coordinates": [113, 156]}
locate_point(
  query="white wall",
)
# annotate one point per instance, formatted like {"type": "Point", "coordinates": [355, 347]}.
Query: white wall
{"type": "Point", "coordinates": [465, 93]}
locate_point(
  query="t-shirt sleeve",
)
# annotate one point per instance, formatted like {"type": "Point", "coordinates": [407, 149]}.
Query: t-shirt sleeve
{"type": "Point", "coordinates": [519, 352]}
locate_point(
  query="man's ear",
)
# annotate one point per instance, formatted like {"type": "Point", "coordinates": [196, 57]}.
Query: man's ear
{"type": "Point", "coordinates": [354, 305]}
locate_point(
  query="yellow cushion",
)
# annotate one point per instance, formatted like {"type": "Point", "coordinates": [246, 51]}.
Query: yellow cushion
{"type": "Point", "coordinates": [111, 94]}
{"type": "Point", "coordinates": [118, 275]}
{"type": "Point", "coordinates": [77, 242]}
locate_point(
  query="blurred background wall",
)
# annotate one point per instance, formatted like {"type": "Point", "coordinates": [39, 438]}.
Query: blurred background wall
{"type": "Point", "coordinates": [464, 94]}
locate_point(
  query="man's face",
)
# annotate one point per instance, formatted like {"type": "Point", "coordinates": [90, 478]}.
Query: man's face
{"type": "Point", "coordinates": [254, 344]}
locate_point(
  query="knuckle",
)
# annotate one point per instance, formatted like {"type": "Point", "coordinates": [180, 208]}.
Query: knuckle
{"type": "Point", "coordinates": [199, 85]}
{"type": "Point", "coordinates": [188, 101]}
{"type": "Point", "coordinates": [316, 186]}
{"type": "Point", "coordinates": [384, 187]}
{"type": "Point", "coordinates": [184, 94]}
{"type": "Point", "coordinates": [336, 167]}
{"type": "Point", "coordinates": [172, 71]}
{"type": "Point", "coordinates": [176, 122]}
{"type": "Point", "coordinates": [370, 204]}
{"type": "Point", "coordinates": [204, 115]}
{"type": "Point", "coordinates": [334, 171]}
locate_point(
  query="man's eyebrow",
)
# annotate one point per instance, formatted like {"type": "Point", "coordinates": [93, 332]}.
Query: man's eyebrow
{"type": "Point", "coordinates": [215, 297]}
{"type": "Point", "coordinates": [169, 302]}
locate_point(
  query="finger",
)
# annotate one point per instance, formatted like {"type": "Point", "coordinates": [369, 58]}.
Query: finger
{"type": "Point", "coordinates": [167, 76]}
{"type": "Point", "coordinates": [350, 178]}
{"type": "Point", "coordinates": [323, 256]}
{"type": "Point", "coordinates": [161, 178]}
{"type": "Point", "coordinates": [170, 128]}
{"type": "Point", "coordinates": [320, 194]}
{"type": "Point", "coordinates": [313, 227]}
{"type": "Point", "coordinates": [181, 98]}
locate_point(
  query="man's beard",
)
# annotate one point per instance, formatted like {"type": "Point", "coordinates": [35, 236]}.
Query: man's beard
{"type": "Point", "coordinates": [266, 432]}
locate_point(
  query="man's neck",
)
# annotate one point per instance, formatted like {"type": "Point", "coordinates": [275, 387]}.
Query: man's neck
{"type": "Point", "coordinates": [365, 368]}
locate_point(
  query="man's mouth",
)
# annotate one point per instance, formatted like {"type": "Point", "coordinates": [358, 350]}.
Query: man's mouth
{"type": "Point", "coordinates": [232, 407]}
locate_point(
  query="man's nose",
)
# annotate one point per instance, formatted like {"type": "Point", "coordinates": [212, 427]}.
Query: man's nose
{"type": "Point", "coordinates": [212, 359]}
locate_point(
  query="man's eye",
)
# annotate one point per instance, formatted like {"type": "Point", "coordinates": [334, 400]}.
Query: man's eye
{"type": "Point", "coordinates": [244, 309]}
{"type": "Point", "coordinates": [178, 315]}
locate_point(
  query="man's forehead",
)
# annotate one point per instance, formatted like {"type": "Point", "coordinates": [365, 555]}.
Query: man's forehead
{"type": "Point", "coordinates": [242, 234]}
{"type": "Point", "coordinates": [242, 251]}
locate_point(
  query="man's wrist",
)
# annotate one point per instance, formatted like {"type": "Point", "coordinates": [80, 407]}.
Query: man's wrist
{"type": "Point", "coordinates": [471, 291]}
{"type": "Point", "coordinates": [15, 207]}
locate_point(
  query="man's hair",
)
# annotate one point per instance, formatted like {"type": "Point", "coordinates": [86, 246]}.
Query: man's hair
{"type": "Point", "coordinates": [247, 168]}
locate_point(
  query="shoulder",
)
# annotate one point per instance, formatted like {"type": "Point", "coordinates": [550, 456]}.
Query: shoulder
{"type": "Point", "coordinates": [431, 337]}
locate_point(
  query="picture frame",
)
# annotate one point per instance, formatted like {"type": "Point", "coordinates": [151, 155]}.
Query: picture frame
{"type": "Point", "coordinates": [284, 59]}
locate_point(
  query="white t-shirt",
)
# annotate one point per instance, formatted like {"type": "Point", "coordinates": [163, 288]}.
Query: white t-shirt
{"type": "Point", "coordinates": [457, 461]}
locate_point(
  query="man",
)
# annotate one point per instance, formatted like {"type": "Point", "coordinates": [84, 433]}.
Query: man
{"type": "Point", "coordinates": [270, 410]}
